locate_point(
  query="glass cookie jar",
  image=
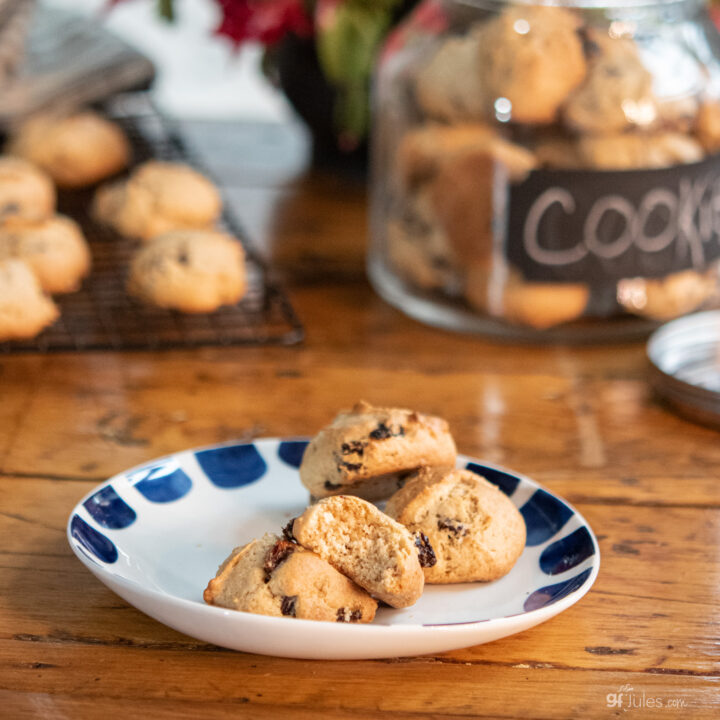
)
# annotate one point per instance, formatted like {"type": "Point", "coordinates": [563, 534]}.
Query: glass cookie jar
{"type": "Point", "coordinates": [548, 171]}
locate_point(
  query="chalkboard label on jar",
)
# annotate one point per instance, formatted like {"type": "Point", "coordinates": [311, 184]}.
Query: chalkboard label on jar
{"type": "Point", "coordinates": [594, 226]}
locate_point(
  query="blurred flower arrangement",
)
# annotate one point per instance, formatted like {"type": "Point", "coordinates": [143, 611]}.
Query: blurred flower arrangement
{"type": "Point", "coordinates": [339, 38]}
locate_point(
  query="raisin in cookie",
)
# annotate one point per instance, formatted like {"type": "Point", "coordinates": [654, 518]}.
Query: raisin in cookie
{"type": "Point", "coordinates": [271, 576]}
{"type": "Point", "coordinates": [475, 530]}
{"type": "Point", "coordinates": [369, 547]}
{"type": "Point", "coordinates": [617, 92]}
{"type": "Point", "coordinates": [194, 271]}
{"type": "Point", "coordinates": [367, 451]}
{"type": "Point", "coordinates": [448, 87]}
{"type": "Point", "coordinates": [530, 59]}
{"type": "Point", "coordinates": [667, 297]}
{"type": "Point", "coordinates": [25, 190]}
{"type": "Point", "coordinates": [75, 150]}
{"type": "Point", "coordinates": [157, 198]}
{"type": "Point", "coordinates": [24, 309]}
{"type": "Point", "coordinates": [509, 296]}
{"type": "Point", "coordinates": [54, 248]}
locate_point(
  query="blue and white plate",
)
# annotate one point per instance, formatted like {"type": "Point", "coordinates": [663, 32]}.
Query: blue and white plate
{"type": "Point", "coordinates": [156, 534]}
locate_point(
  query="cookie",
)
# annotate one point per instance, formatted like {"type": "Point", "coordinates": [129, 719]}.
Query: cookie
{"type": "Point", "coordinates": [25, 189]}
{"type": "Point", "coordinates": [538, 305]}
{"type": "Point", "coordinates": [271, 576]}
{"type": "Point", "coordinates": [630, 151]}
{"type": "Point", "coordinates": [194, 271]}
{"type": "Point", "coordinates": [157, 198]}
{"type": "Point", "coordinates": [368, 450]}
{"type": "Point", "coordinates": [448, 87]}
{"type": "Point", "coordinates": [418, 247]}
{"type": "Point", "coordinates": [530, 59]}
{"type": "Point", "coordinates": [54, 248]}
{"type": "Point", "coordinates": [75, 150]}
{"type": "Point", "coordinates": [367, 546]}
{"type": "Point", "coordinates": [667, 297]}
{"type": "Point", "coordinates": [24, 309]}
{"type": "Point", "coordinates": [616, 94]}
{"type": "Point", "coordinates": [707, 126]}
{"type": "Point", "coordinates": [473, 527]}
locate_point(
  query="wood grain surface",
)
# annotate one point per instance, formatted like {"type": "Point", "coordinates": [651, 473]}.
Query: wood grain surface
{"type": "Point", "coordinates": [582, 421]}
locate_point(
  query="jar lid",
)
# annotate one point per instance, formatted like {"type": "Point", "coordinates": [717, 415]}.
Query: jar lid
{"type": "Point", "coordinates": [685, 365]}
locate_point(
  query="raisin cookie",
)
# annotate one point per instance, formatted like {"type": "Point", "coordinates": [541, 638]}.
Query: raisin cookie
{"type": "Point", "coordinates": [194, 271]}
{"type": "Point", "coordinates": [667, 297]}
{"type": "Point", "coordinates": [75, 150]}
{"type": "Point", "coordinates": [617, 92]}
{"type": "Point", "coordinates": [530, 59]}
{"type": "Point", "coordinates": [509, 296]}
{"type": "Point", "coordinates": [24, 309]}
{"type": "Point", "coordinates": [368, 450]}
{"type": "Point", "coordinates": [25, 189]}
{"type": "Point", "coordinates": [448, 87]}
{"type": "Point", "coordinates": [54, 248]}
{"type": "Point", "coordinates": [272, 576]}
{"type": "Point", "coordinates": [475, 530]}
{"type": "Point", "coordinates": [158, 197]}
{"type": "Point", "coordinates": [367, 546]}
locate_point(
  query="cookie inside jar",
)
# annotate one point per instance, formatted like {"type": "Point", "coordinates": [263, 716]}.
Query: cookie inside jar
{"type": "Point", "coordinates": [548, 170]}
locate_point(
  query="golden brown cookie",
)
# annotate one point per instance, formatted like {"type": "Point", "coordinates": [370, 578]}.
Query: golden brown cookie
{"type": "Point", "coordinates": [24, 309]}
{"type": "Point", "coordinates": [670, 296]}
{"type": "Point", "coordinates": [367, 546]}
{"type": "Point", "coordinates": [25, 190]}
{"type": "Point", "coordinates": [530, 59]}
{"type": "Point", "coordinates": [54, 248]}
{"type": "Point", "coordinates": [475, 530]}
{"type": "Point", "coordinates": [535, 304]}
{"type": "Point", "coordinates": [617, 92]}
{"type": "Point", "coordinates": [368, 450]}
{"type": "Point", "coordinates": [271, 576]}
{"type": "Point", "coordinates": [194, 271]}
{"type": "Point", "coordinates": [707, 126]}
{"type": "Point", "coordinates": [448, 87]}
{"type": "Point", "coordinates": [75, 150]}
{"type": "Point", "coordinates": [157, 198]}
{"type": "Point", "coordinates": [637, 151]}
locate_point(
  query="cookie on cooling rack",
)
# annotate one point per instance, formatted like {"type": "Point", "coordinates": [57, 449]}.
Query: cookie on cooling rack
{"type": "Point", "coordinates": [75, 150]}
{"type": "Point", "coordinates": [54, 248]}
{"type": "Point", "coordinates": [25, 190]}
{"type": "Point", "coordinates": [194, 271]}
{"type": "Point", "coordinates": [368, 450]}
{"type": "Point", "coordinates": [271, 576]}
{"type": "Point", "coordinates": [24, 309]}
{"type": "Point", "coordinates": [367, 546]}
{"type": "Point", "coordinates": [158, 197]}
{"type": "Point", "coordinates": [474, 528]}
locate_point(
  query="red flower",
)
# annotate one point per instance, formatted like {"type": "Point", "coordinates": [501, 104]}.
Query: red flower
{"type": "Point", "coordinates": [264, 20]}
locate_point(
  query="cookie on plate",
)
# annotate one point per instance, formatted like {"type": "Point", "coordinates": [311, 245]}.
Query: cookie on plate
{"type": "Point", "coordinates": [475, 530]}
{"type": "Point", "coordinates": [194, 271]}
{"type": "Point", "coordinates": [24, 309]}
{"type": "Point", "coordinates": [271, 576]}
{"type": "Point", "coordinates": [54, 248]}
{"type": "Point", "coordinates": [157, 198]}
{"type": "Point", "coordinates": [448, 87]}
{"type": "Point", "coordinates": [369, 547]}
{"type": "Point", "coordinates": [667, 297]}
{"type": "Point", "coordinates": [530, 59]}
{"type": "Point", "coordinates": [25, 190]}
{"type": "Point", "coordinates": [617, 93]}
{"type": "Point", "coordinates": [508, 295]}
{"type": "Point", "coordinates": [368, 450]}
{"type": "Point", "coordinates": [75, 150]}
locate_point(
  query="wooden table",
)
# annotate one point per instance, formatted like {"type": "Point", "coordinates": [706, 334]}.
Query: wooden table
{"type": "Point", "coordinates": [581, 421]}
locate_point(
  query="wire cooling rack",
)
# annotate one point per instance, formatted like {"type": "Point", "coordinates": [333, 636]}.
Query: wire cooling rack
{"type": "Point", "coordinates": [101, 316]}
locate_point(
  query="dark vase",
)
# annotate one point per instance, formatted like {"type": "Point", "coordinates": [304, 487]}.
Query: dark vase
{"type": "Point", "coordinates": [302, 81]}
